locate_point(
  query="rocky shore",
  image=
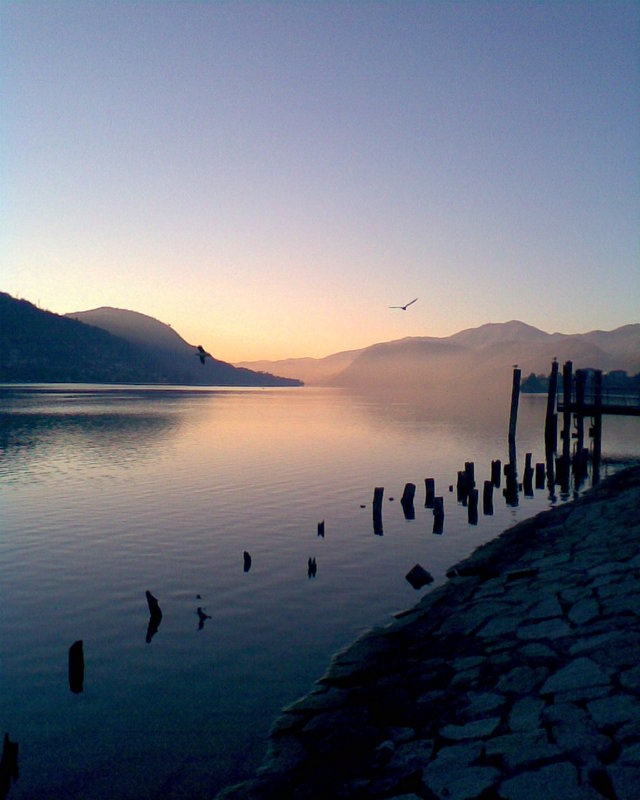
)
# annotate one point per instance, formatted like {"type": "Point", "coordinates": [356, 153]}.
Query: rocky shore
{"type": "Point", "coordinates": [518, 679]}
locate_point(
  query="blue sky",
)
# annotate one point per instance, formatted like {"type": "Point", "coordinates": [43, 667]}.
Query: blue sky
{"type": "Point", "coordinates": [270, 177]}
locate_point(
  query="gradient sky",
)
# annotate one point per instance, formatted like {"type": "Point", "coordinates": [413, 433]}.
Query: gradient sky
{"type": "Point", "coordinates": [268, 177]}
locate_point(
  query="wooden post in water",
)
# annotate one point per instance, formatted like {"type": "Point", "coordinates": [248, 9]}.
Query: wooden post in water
{"type": "Point", "coordinates": [513, 416]}
{"type": "Point", "coordinates": [597, 425]}
{"type": "Point", "coordinates": [378, 493]}
{"type": "Point", "coordinates": [472, 510]}
{"type": "Point", "coordinates": [496, 467]}
{"type": "Point", "coordinates": [407, 501]}
{"type": "Point", "coordinates": [527, 480]}
{"type": "Point", "coordinates": [551, 420]}
{"type": "Point", "coordinates": [438, 515]}
{"type": "Point", "coordinates": [581, 380]}
{"type": "Point", "coordinates": [567, 381]}
{"type": "Point", "coordinates": [540, 470]}
{"type": "Point", "coordinates": [487, 498]}
{"type": "Point", "coordinates": [430, 492]}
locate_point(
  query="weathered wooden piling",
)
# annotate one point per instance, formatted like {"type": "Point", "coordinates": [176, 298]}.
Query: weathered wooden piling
{"type": "Point", "coordinates": [155, 616]}
{"type": "Point", "coordinates": [513, 416]}
{"type": "Point", "coordinates": [496, 469]}
{"type": "Point", "coordinates": [438, 524]}
{"type": "Point", "coordinates": [438, 506]}
{"type": "Point", "coordinates": [540, 475]}
{"type": "Point", "coordinates": [407, 501]}
{"type": "Point", "coordinates": [581, 381]}
{"type": "Point", "coordinates": [472, 508]}
{"type": "Point", "coordinates": [462, 487]}
{"type": "Point", "coordinates": [511, 490]}
{"type": "Point", "coordinates": [321, 529]}
{"type": "Point", "coordinates": [430, 492]}
{"type": "Point", "coordinates": [76, 667]}
{"type": "Point", "coordinates": [378, 494]}
{"type": "Point", "coordinates": [597, 424]}
{"type": "Point", "coordinates": [469, 471]}
{"type": "Point", "coordinates": [551, 419]}
{"type": "Point", "coordinates": [527, 480]}
{"type": "Point", "coordinates": [487, 498]}
{"type": "Point", "coordinates": [567, 383]}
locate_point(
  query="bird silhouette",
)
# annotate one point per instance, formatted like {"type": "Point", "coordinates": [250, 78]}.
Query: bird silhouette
{"type": "Point", "coordinates": [202, 354]}
{"type": "Point", "coordinates": [405, 307]}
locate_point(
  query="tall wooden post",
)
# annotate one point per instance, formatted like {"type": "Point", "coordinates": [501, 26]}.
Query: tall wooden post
{"type": "Point", "coordinates": [567, 381]}
{"type": "Point", "coordinates": [513, 417]}
{"type": "Point", "coordinates": [551, 420]}
{"type": "Point", "coordinates": [581, 380]}
{"type": "Point", "coordinates": [597, 424]}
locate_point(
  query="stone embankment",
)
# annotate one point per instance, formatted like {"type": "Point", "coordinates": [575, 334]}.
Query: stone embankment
{"type": "Point", "coordinates": [518, 679]}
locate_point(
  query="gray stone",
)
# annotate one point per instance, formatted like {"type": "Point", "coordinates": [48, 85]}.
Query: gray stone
{"type": "Point", "coordinates": [499, 626]}
{"type": "Point", "coordinates": [630, 679]}
{"type": "Point", "coordinates": [549, 607]}
{"type": "Point", "coordinates": [587, 643]}
{"type": "Point", "coordinates": [472, 730]}
{"type": "Point", "coordinates": [584, 611]}
{"type": "Point", "coordinates": [549, 629]}
{"type": "Point", "coordinates": [525, 714]}
{"type": "Point", "coordinates": [517, 749]}
{"type": "Point", "coordinates": [411, 756]}
{"type": "Point", "coordinates": [465, 784]}
{"type": "Point", "coordinates": [630, 754]}
{"type": "Point", "coordinates": [522, 680]}
{"type": "Point", "coordinates": [554, 781]}
{"type": "Point", "coordinates": [462, 664]}
{"type": "Point", "coordinates": [614, 710]}
{"type": "Point", "coordinates": [580, 672]}
{"type": "Point", "coordinates": [625, 781]}
{"type": "Point", "coordinates": [537, 650]}
{"type": "Point", "coordinates": [481, 702]}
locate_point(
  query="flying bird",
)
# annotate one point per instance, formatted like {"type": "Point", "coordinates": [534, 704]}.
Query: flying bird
{"type": "Point", "coordinates": [405, 307]}
{"type": "Point", "coordinates": [202, 354]}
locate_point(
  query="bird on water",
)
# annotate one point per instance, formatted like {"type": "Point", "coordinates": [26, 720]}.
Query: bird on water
{"type": "Point", "coordinates": [406, 306]}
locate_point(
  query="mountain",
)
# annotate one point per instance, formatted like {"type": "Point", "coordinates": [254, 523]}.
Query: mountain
{"type": "Point", "coordinates": [473, 364]}
{"type": "Point", "coordinates": [309, 370]}
{"type": "Point", "coordinates": [171, 354]}
{"type": "Point", "coordinates": [38, 346]}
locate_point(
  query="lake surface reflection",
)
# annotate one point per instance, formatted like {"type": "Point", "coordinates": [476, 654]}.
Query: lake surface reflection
{"type": "Point", "coordinates": [110, 492]}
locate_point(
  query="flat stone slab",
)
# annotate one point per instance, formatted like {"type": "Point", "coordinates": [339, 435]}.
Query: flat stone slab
{"type": "Point", "coordinates": [579, 673]}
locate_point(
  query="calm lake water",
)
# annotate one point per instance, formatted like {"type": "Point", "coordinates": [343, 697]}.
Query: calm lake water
{"type": "Point", "coordinates": [106, 492]}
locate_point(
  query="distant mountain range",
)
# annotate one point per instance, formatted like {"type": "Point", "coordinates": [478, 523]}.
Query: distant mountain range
{"type": "Point", "coordinates": [107, 345]}
{"type": "Point", "coordinates": [113, 345]}
{"type": "Point", "coordinates": [477, 360]}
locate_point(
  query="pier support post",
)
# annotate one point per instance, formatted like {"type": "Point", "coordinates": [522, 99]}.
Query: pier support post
{"type": "Point", "coordinates": [513, 416]}
{"type": "Point", "coordinates": [378, 493]}
{"type": "Point", "coordinates": [597, 425]}
{"type": "Point", "coordinates": [551, 420]}
{"type": "Point", "coordinates": [430, 492]}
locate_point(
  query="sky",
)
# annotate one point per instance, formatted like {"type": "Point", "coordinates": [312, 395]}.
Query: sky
{"type": "Point", "coordinates": [269, 177]}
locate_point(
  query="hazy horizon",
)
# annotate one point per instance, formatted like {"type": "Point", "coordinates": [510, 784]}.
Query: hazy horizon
{"type": "Point", "coordinates": [269, 178]}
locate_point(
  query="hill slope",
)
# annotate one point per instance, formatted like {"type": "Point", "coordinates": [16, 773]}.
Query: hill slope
{"type": "Point", "coordinates": [38, 346]}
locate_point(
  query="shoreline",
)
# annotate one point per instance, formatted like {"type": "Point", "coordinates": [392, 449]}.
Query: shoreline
{"type": "Point", "coordinates": [519, 673]}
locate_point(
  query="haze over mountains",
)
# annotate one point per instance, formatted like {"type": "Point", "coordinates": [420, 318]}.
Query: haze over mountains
{"type": "Point", "coordinates": [475, 352]}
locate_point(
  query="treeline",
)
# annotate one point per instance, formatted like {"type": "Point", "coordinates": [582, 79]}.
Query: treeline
{"type": "Point", "coordinates": [617, 381]}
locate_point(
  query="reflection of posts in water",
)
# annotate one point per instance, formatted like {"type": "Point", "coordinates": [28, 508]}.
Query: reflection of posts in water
{"type": "Point", "coordinates": [8, 765]}
{"type": "Point", "coordinates": [407, 501]}
{"type": "Point", "coordinates": [430, 492]}
{"type": "Point", "coordinates": [155, 617]}
{"type": "Point", "coordinates": [487, 499]}
{"type": "Point", "coordinates": [378, 493]}
{"type": "Point", "coordinates": [76, 667]}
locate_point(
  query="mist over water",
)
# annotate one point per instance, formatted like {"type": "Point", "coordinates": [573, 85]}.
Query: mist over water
{"type": "Point", "coordinates": [109, 492]}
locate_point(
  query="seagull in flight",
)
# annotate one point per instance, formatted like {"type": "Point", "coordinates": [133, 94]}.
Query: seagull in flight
{"type": "Point", "coordinates": [202, 354]}
{"type": "Point", "coordinates": [405, 307]}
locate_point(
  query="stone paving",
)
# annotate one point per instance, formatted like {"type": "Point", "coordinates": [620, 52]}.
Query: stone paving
{"type": "Point", "coordinates": [519, 679]}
